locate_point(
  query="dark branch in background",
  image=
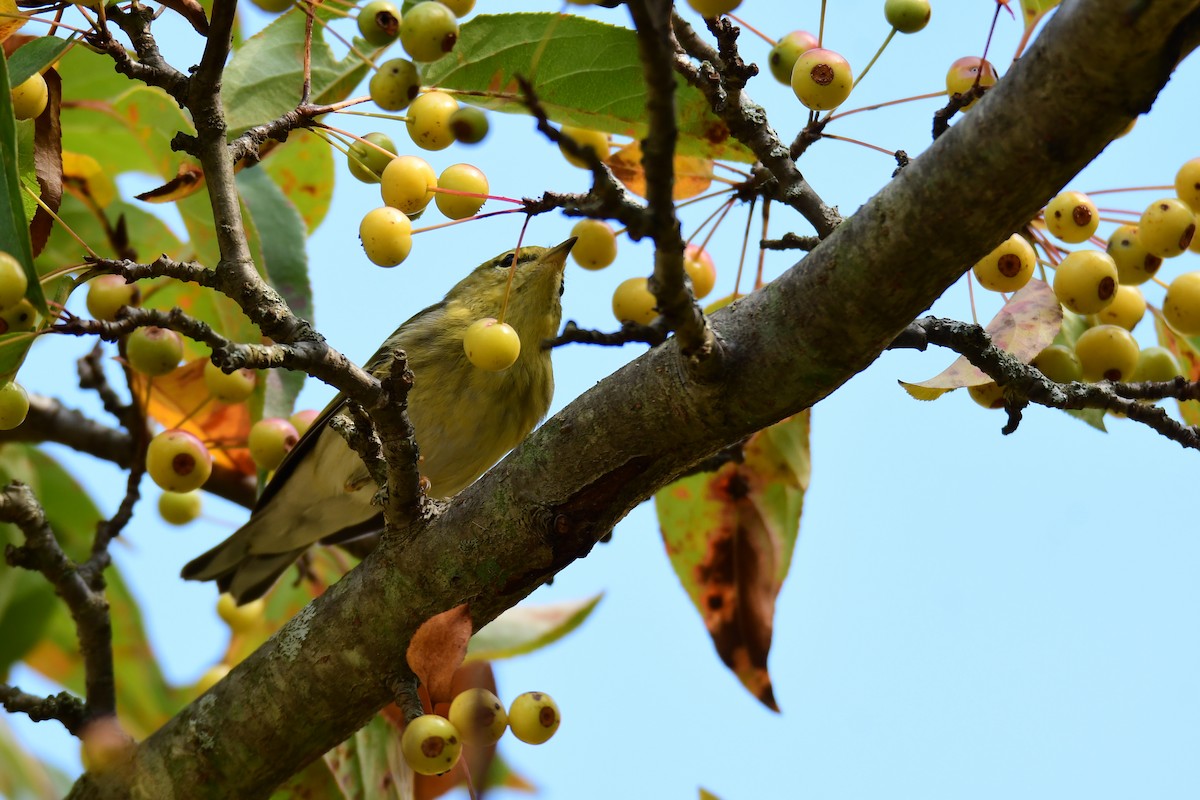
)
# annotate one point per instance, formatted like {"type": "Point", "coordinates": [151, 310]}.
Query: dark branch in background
{"type": "Point", "coordinates": [42, 553]}
{"type": "Point", "coordinates": [747, 122]}
{"type": "Point", "coordinates": [653, 334]}
{"type": "Point", "coordinates": [673, 293]}
{"type": "Point", "coordinates": [1024, 384]}
{"type": "Point", "coordinates": [64, 707]}
{"type": "Point", "coordinates": [91, 376]}
{"type": "Point", "coordinates": [790, 241]}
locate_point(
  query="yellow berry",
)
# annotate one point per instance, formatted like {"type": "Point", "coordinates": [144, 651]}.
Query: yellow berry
{"type": "Point", "coordinates": [1187, 184]}
{"type": "Point", "coordinates": [1135, 265]}
{"type": "Point", "coordinates": [428, 31]}
{"type": "Point", "coordinates": [821, 79]}
{"type": "Point", "coordinates": [177, 461]}
{"type": "Point", "coordinates": [303, 420]}
{"type": "Point", "coordinates": [1086, 281]}
{"type": "Point", "coordinates": [232, 387]}
{"type": "Point", "coordinates": [179, 508]}
{"type": "Point", "coordinates": [241, 619]}
{"type": "Point", "coordinates": [1072, 217]}
{"type": "Point", "coordinates": [461, 178]}
{"type": "Point", "coordinates": [270, 441]}
{"type": "Point", "coordinates": [153, 351]}
{"type": "Point", "coordinates": [108, 294]}
{"type": "Point", "coordinates": [211, 677]}
{"type": "Point", "coordinates": [966, 72]}
{"type": "Point", "coordinates": [479, 717]}
{"type": "Point", "coordinates": [533, 717]}
{"type": "Point", "coordinates": [19, 318]}
{"type": "Point", "coordinates": [596, 141]}
{"type": "Point", "coordinates": [379, 22]}
{"type": "Point", "coordinates": [1059, 363]}
{"type": "Point", "coordinates": [491, 345]}
{"type": "Point", "coordinates": [633, 302]}
{"type": "Point", "coordinates": [14, 405]}
{"type": "Point", "coordinates": [1181, 306]}
{"type": "Point", "coordinates": [1107, 352]}
{"type": "Point", "coordinates": [429, 120]}
{"type": "Point", "coordinates": [988, 395]}
{"type": "Point", "coordinates": [13, 281]}
{"type": "Point", "coordinates": [713, 8]}
{"type": "Point", "coordinates": [29, 99]}
{"type": "Point", "coordinates": [1126, 310]}
{"type": "Point", "coordinates": [596, 247]}
{"type": "Point", "coordinates": [395, 84]}
{"type": "Point", "coordinates": [386, 235]}
{"type": "Point", "coordinates": [1156, 364]}
{"type": "Point", "coordinates": [783, 55]}
{"type": "Point", "coordinates": [1008, 267]}
{"type": "Point", "coordinates": [431, 744]}
{"type": "Point", "coordinates": [907, 16]}
{"type": "Point", "coordinates": [1167, 227]}
{"type": "Point", "coordinates": [406, 184]}
{"type": "Point", "coordinates": [699, 266]}
{"type": "Point", "coordinates": [369, 157]}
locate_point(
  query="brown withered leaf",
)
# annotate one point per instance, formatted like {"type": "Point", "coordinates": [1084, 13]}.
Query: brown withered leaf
{"type": "Point", "coordinates": [187, 181]}
{"type": "Point", "coordinates": [47, 162]}
{"type": "Point", "coordinates": [438, 648]}
{"type": "Point", "coordinates": [693, 175]}
{"type": "Point", "coordinates": [730, 535]}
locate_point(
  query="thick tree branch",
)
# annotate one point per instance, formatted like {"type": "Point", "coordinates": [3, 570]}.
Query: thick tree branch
{"type": "Point", "coordinates": [790, 345]}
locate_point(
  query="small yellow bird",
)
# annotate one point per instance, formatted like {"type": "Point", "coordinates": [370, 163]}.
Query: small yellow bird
{"type": "Point", "coordinates": [465, 419]}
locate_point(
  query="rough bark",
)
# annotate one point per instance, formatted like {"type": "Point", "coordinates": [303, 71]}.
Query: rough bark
{"type": "Point", "coordinates": [1097, 64]}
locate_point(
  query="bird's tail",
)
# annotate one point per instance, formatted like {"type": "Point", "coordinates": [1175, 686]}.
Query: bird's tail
{"type": "Point", "coordinates": [246, 576]}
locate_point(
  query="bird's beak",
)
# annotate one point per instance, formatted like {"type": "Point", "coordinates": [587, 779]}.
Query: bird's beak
{"type": "Point", "coordinates": [558, 255]}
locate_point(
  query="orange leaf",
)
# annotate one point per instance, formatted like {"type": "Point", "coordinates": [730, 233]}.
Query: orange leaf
{"type": "Point", "coordinates": [438, 648]}
{"type": "Point", "coordinates": [1025, 326]}
{"type": "Point", "coordinates": [187, 181]}
{"type": "Point", "coordinates": [181, 399]}
{"type": "Point", "coordinates": [11, 18]}
{"type": "Point", "coordinates": [692, 175]}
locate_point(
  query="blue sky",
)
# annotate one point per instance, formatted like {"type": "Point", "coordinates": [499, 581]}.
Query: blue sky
{"type": "Point", "coordinates": [967, 614]}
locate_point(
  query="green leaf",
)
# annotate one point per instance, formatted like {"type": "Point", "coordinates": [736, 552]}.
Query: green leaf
{"type": "Point", "coordinates": [587, 73]}
{"type": "Point", "coordinates": [370, 764]}
{"type": "Point", "coordinates": [304, 169]}
{"type": "Point", "coordinates": [14, 223]}
{"type": "Point", "coordinates": [88, 75]}
{"type": "Point", "coordinates": [524, 629]}
{"type": "Point", "coordinates": [264, 76]}
{"type": "Point", "coordinates": [23, 776]}
{"type": "Point", "coordinates": [129, 133]}
{"type": "Point", "coordinates": [314, 782]}
{"type": "Point", "coordinates": [32, 56]}
{"type": "Point", "coordinates": [285, 263]}
{"type": "Point", "coordinates": [730, 536]}
{"type": "Point", "coordinates": [149, 235]}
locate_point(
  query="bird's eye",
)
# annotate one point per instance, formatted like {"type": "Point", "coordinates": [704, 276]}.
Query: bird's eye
{"type": "Point", "coordinates": [562, 285]}
{"type": "Point", "coordinates": [506, 262]}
